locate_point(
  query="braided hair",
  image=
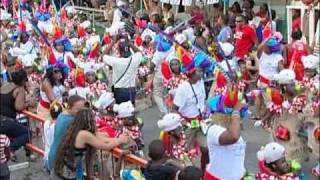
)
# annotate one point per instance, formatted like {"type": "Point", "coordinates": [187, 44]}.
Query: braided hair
{"type": "Point", "coordinates": [84, 120]}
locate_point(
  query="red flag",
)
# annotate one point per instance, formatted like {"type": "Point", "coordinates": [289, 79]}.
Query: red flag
{"type": "Point", "coordinates": [51, 57]}
{"type": "Point", "coordinates": [70, 63]}
{"type": "Point", "coordinates": [94, 51]}
{"type": "Point", "coordinates": [22, 26]}
{"type": "Point", "coordinates": [165, 70]}
{"type": "Point", "coordinates": [267, 32]}
{"type": "Point", "coordinates": [80, 77]}
{"type": "Point", "coordinates": [231, 97]}
{"type": "Point", "coordinates": [81, 31]}
{"type": "Point", "coordinates": [221, 81]}
{"type": "Point", "coordinates": [107, 39]}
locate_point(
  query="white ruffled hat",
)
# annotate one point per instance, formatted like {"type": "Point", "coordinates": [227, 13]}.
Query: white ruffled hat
{"type": "Point", "coordinates": [148, 32]}
{"type": "Point", "coordinates": [4, 15]}
{"type": "Point", "coordinates": [105, 100]}
{"type": "Point", "coordinates": [227, 48]}
{"type": "Point", "coordinates": [120, 3]}
{"type": "Point", "coordinates": [28, 60]}
{"type": "Point", "coordinates": [124, 109]}
{"type": "Point", "coordinates": [75, 42]}
{"type": "Point", "coordinates": [286, 76]}
{"type": "Point", "coordinates": [85, 24]}
{"type": "Point", "coordinates": [310, 62]}
{"type": "Point", "coordinates": [170, 122]}
{"type": "Point", "coordinates": [181, 38]}
{"type": "Point", "coordinates": [71, 10]}
{"type": "Point", "coordinates": [271, 152]}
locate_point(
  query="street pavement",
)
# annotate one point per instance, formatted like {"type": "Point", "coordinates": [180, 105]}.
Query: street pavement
{"type": "Point", "coordinates": [255, 138]}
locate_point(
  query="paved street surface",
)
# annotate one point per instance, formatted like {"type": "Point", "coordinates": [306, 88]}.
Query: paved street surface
{"type": "Point", "coordinates": [255, 137]}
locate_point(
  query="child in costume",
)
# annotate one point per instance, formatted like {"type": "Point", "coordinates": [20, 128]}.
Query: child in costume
{"type": "Point", "coordinates": [273, 164]}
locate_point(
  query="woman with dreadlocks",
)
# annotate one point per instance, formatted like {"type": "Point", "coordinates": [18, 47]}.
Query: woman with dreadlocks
{"type": "Point", "coordinates": [80, 142]}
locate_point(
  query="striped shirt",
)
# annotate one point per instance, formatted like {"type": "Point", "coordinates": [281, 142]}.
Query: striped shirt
{"type": "Point", "coordinates": [4, 143]}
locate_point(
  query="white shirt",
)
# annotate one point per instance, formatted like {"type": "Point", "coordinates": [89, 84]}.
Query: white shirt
{"type": "Point", "coordinates": [186, 101]}
{"type": "Point", "coordinates": [24, 49]}
{"type": "Point", "coordinates": [226, 161]}
{"type": "Point", "coordinates": [159, 56]}
{"type": "Point", "coordinates": [48, 130]}
{"type": "Point", "coordinates": [80, 91]}
{"type": "Point", "coordinates": [119, 66]}
{"type": "Point", "coordinates": [57, 93]}
{"type": "Point", "coordinates": [268, 65]}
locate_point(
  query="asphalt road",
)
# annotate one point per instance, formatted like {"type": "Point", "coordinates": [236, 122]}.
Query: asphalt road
{"type": "Point", "coordinates": [255, 138]}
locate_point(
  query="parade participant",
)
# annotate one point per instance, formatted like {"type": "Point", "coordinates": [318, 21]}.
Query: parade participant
{"type": "Point", "coordinates": [176, 78]}
{"type": "Point", "coordinates": [159, 167]}
{"type": "Point", "coordinates": [124, 70]}
{"type": "Point", "coordinates": [273, 164]}
{"type": "Point", "coordinates": [131, 124]}
{"type": "Point", "coordinates": [4, 157]}
{"type": "Point", "coordinates": [295, 50]}
{"type": "Point", "coordinates": [226, 148]}
{"type": "Point", "coordinates": [75, 103]}
{"type": "Point", "coordinates": [264, 14]}
{"type": "Point", "coordinates": [270, 63]}
{"type": "Point", "coordinates": [13, 101]}
{"type": "Point", "coordinates": [79, 143]}
{"type": "Point", "coordinates": [225, 34]}
{"type": "Point", "coordinates": [174, 139]}
{"type": "Point", "coordinates": [310, 64]}
{"type": "Point", "coordinates": [5, 18]}
{"type": "Point", "coordinates": [189, 102]}
{"type": "Point", "coordinates": [51, 89]}
{"type": "Point", "coordinates": [245, 37]}
{"type": "Point", "coordinates": [288, 116]}
{"type": "Point", "coordinates": [167, 13]}
{"type": "Point", "coordinates": [48, 129]}
{"type": "Point", "coordinates": [118, 16]}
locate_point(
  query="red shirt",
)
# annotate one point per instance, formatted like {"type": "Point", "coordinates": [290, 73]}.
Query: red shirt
{"type": "Point", "coordinates": [296, 24]}
{"type": "Point", "coordinates": [245, 38]}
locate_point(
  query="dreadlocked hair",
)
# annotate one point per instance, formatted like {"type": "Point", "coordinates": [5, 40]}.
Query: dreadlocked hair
{"type": "Point", "coordinates": [84, 120]}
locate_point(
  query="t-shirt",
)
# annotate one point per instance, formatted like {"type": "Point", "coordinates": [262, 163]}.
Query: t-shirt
{"type": "Point", "coordinates": [244, 40]}
{"type": "Point", "coordinates": [48, 131]}
{"type": "Point", "coordinates": [225, 161]}
{"type": "Point", "coordinates": [60, 129]}
{"type": "Point", "coordinates": [268, 65]}
{"type": "Point", "coordinates": [119, 66]}
{"type": "Point", "coordinates": [4, 143]}
{"type": "Point", "coordinates": [159, 56]}
{"type": "Point", "coordinates": [225, 34]}
{"type": "Point", "coordinates": [160, 172]}
{"type": "Point", "coordinates": [186, 101]}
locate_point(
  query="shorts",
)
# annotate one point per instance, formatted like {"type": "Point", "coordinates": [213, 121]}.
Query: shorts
{"type": "Point", "coordinates": [195, 137]}
{"type": "Point", "coordinates": [4, 171]}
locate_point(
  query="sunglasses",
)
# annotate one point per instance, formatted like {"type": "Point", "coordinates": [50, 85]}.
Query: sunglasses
{"type": "Point", "coordinates": [56, 71]}
{"type": "Point", "coordinates": [239, 21]}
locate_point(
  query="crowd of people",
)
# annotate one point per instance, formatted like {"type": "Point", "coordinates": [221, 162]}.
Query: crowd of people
{"type": "Point", "coordinates": [205, 76]}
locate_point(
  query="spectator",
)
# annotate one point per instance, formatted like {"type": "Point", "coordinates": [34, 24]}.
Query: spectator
{"type": "Point", "coordinates": [245, 37]}
{"type": "Point", "coordinates": [75, 103]}
{"type": "Point", "coordinates": [79, 142]}
{"type": "Point", "coordinates": [124, 70]}
{"type": "Point", "coordinates": [264, 14]}
{"type": "Point", "coordinates": [48, 129]}
{"type": "Point", "coordinates": [51, 89]}
{"type": "Point", "coordinates": [225, 34]}
{"type": "Point", "coordinates": [9, 63]}
{"type": "Point", "coordinates": [190, 173]}
{"type": "Point", "coordinates": [12, 101]}
{"type": "Point", "coordinates": [159, 168]}
{"type": "Point", "coordinates": [4, 169]}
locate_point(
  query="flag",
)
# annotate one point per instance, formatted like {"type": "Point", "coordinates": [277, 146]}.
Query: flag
{"type": "Point", "coordinates": [106, 39]}
{"type": "Point", "coordinates": [165, 70]}
{"type": "Point", "coordinates": [94, 51]}
{"type": "Point", "coordinates": [80, 77]}
{"type": "Point", "coordinates": [51, 57]}
{"type": "Point", "coordinates": [184, 56]}
{"type": "Point", "coordinates": [231, 97]}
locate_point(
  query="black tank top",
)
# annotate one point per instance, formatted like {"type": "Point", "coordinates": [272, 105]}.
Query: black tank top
{"type": "Point", "coordinates": [7, 107]}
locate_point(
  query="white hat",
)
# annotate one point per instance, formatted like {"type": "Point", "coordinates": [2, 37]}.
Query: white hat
{"type": "Point", "coordinates": [189, 32]}
{"type": "Point", "coordinates": [28, 60]}
{"type": "Point", "coordinates": [310, 62]}
{"type": "Point", "coordinates": [120, 3]}
{"type": "Point", "coordinates": [105, 100]}
{"type": "Point", "coordinates": [124, 109]}
{"type": "Point", "coordinates": [227, 48]}
{"type": "Point", "coordinates": [148, 32]}
{"type": "Point", "coordinates": [85, 24]}
{"type": "Point", "coordinates": [71, 10]}
{"type": "Point", "coordinates": [80, 91]}
{"type": "Point", "coordinates": [170, 122]}
{"type": "Point", "coordinates": [75, 42]}
{"type": "Point", "coordinates": [4, 15]}
{"type": "Point", "coordinates": [285, 76]}
{"type": "Point", "coordinates": [181, 38]}
{"type": "Point", "coordinates": [271, 153]}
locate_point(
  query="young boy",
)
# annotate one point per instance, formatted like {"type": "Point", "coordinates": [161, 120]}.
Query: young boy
{"type": "Point", "coordinates": [190, 173]}
{"type": "Point", "coordinates": [159, 167]}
